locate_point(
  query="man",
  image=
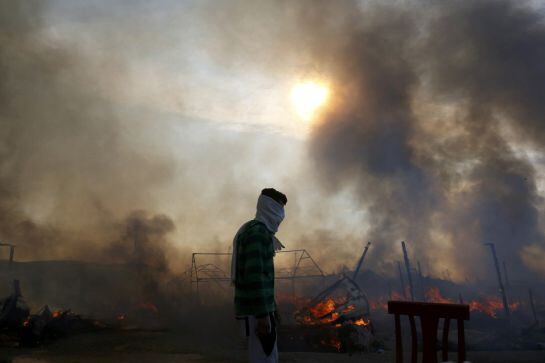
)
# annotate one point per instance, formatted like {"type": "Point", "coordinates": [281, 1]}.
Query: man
{"type": "Point", "coordinates": [252, 273]}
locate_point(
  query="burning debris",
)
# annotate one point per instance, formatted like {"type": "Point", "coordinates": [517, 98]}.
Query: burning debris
{"type": "Point", "coordinates": [343, 302]}
{"type": "Point", "coordinates": [49, 325]}
{"type": "Point", "coordinates": [489, 305]}
{"type": "Point", "coordinates": [344, 321]}
{"type": "Point", "coordinates": [20, 328]}
{"type": "Point", "coordinates": [341, 313]}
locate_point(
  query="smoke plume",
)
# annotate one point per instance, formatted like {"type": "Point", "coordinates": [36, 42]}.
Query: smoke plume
{"type": "Point", "coordinates": [436, 119]}
{"type": "Point", "coordinates": [433, 132]}
{"type": "Point", "coordinates": [435, 101]}
{"type": "Point", "coordinates": [68, 175]}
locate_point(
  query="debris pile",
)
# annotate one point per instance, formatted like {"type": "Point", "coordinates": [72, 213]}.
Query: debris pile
{"type": "Point", "coordinates": [20, 328]}
{"type": "Point", "coordinates": [340, 314]}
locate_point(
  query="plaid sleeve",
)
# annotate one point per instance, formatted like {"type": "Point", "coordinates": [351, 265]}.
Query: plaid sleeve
{"type": "Point", "coordinates": [254, 290]}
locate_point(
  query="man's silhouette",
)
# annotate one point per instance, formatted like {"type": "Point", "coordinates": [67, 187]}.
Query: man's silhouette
{"type": "Point", "coordinates": [252, 272]}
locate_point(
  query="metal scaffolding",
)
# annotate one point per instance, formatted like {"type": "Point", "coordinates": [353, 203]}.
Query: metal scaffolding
{"type": "Point", "coordinates": [212, 273]}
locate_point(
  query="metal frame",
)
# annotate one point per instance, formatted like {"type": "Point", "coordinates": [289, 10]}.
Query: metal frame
{"type": "Point", "coordinates": [212, 273]}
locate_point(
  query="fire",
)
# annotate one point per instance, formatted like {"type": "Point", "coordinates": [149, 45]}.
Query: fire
{"type": "Point", "coordinates": [434, 295]}
{"type": "Point", "coordinates": [336, 317]}
{"type": "Point", "coordinates": [361, 322]}
{"type": "Point", "coordinates": [332, 317]}
{"type": "Point", "coordinates": [56, 314]}
{"type": "Point", "coordinates": [327, 311]}
{"type": "Point", "coordinates": [490, 306]}
{"type": "Point", "coordinates": [324, 311]}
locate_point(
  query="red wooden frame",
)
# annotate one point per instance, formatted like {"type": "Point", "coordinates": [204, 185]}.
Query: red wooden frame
{"type": "Point", "coordinates": [429, 314]}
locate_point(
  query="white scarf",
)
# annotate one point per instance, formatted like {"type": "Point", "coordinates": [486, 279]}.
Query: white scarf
{"type": "Point", "coordinates": [271, 214]}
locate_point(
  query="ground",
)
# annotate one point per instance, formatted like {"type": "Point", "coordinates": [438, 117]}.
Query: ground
{"type": "Point", "coordinates": [115, 346]}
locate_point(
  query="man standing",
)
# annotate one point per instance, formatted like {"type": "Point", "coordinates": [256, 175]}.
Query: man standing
{"type": "Point", "coordinates": [252, 273]}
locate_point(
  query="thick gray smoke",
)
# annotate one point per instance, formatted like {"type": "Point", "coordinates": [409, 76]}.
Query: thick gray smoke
{"type": "Point", "coordinates": [434, 120]}
{"type": "Point", "coordinates": [89, 152]}
{"type": "Point", "coordinates": [63, 151]}
{"type": "Point", "coordinates": [436, 100]}
{"type": "Point", "coordinates": [435, 117]}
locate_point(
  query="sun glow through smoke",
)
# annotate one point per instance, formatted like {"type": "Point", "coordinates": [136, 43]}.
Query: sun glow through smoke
{"type": "Point", "coordinates": [307, 97]}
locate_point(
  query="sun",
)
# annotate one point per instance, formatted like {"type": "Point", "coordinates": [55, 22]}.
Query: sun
{"type": "Point", "coordinates": [307, 97]}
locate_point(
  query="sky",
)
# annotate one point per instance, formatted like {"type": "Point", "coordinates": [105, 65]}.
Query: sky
{"type": "Point", "coordinates": [181, 109]}
{"type": "Point", "coordinates": [202, 138]}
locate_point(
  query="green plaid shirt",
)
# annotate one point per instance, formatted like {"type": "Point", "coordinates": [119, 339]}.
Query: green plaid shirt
{"type": "Point", "coordinates": [254, 286]}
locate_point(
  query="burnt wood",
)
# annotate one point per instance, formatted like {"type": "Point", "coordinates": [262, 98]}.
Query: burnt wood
{"type": "Point", "coordinates": [414, 340]}
{"type": "Point", "coordinates": [399, 342]}
{"type": "Point", "coordinates": [446, 327]}
{"type": "Point", "coordinates": [429, 314]}
{"type": "Point", "coordinates": [461, 342]}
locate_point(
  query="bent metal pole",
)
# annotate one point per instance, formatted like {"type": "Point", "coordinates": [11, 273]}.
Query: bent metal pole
{"type": "Point", "coordinates": [403, 290]}
{"type": "Point", "coordinates": [360, 262]}
{"type": "Point", "coordinates": [500, 282]}
{"type": "Point", "coordinates": [408, 267]}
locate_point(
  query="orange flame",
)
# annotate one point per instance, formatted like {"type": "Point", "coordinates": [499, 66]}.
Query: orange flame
{"type": "Point", "coordinates": [327, 311]}
{"type": "Point", "coordinates": [490, 306]}
{"type": "Point", "coordinates": [323, 308]}
{"type": "Point", "coordinates": [324, 311]}
{"type": "Point", "coordinates": [349, 308]}
{"type": "Point", "coordinates": [361, 322]}
{"type": "Point", "coordinates": [434, 295]}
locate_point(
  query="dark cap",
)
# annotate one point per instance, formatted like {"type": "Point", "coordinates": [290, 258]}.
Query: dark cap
{"type": "Point", "coordinates": [276, 195]}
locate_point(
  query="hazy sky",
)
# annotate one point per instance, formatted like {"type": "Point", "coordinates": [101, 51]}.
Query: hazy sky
{"type": "Point", "coordinates": [220, 131]}
{"type": "Point", "coordinates": [187, 113]}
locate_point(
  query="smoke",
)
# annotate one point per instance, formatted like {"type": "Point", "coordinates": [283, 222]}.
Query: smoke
{"type": "Point", "coordinates": [94, 143]}
{"type": "Point", "coordinates": [68, 174]}
{"type": "Point", "coordinates": [144, 241]}
{"type": "Point", "coordinates": [435, 117]}
{"type": "Point", "coordinates": [430, 135]}
{"type": "Point", "coordinates": [436, 99]}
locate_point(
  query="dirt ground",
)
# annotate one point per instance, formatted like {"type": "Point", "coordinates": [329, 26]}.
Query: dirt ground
{"type": "Point", "coordinates": [172, 347]}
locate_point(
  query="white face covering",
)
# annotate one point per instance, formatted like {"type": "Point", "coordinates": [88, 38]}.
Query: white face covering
{"type": "Point", "coordinates": [269, 212]}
